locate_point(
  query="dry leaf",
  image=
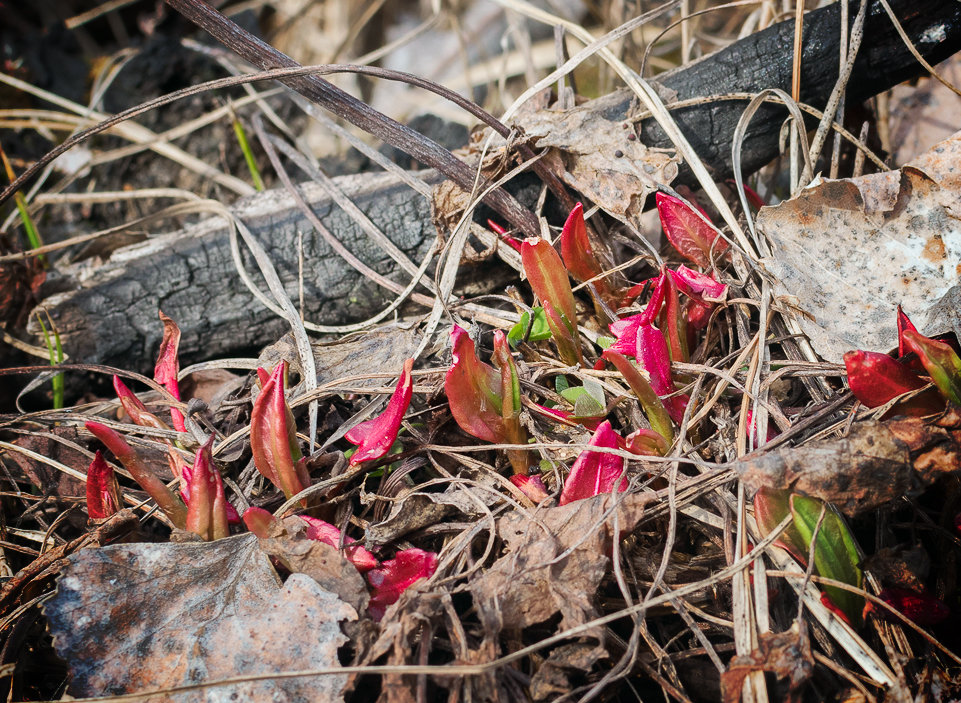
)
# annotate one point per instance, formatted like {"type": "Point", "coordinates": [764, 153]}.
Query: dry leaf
{"type": "Point", "coordinates": [786, 654]}
{"type": "Point", "coordinates": [924, 113]}
{"type": "Point", "coordinates": [530, 583]}
{"type": "Point", "coordinates": [146, 617]}
{"type": "Point", "coordinates": [848, 252]}
{"type": "Point", "coordinates": [877, 462]}
{"type": "Point", "coordinates": [417, 510]}
{"type": "Point", "coordinates": [598, 158]}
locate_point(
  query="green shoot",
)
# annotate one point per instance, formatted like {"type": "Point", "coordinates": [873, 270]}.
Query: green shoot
{"type": "Point", "coordinates": [55, 351]}
{"type": "Point", "coordinates": [248, 153]}
{"type": "Point", "coordinates": [33, 236]}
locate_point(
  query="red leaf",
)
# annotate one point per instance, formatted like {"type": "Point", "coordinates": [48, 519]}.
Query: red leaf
{"type": "Point", "coordinates": [397, 575]}
{"type": "Point", "coordinates": [375, 437]}
{"type": "Point", "coordinates": [473, 390]}
{"type": "Point", "coordinates": [531, 486]}
{"type": "Point", "coordinates": [625, 330]}
{"type": "Point", "coordinates": [321, 531]}
{"type": "Point", "coordinates": [134, 408]}
{"type": "Point", "coordinates": [922, 608]}
{"type": "Point", "coordinates": [168, 367]}
{"type": "Point", "coordinates": [594, 472]}
{"type": "Point", "coordinates": [510, 393]}
{"type": "Point", "coordinates": [172, 506]}
{"type": "Point", "coordinates": [103, 492]}
{"type": "Point", "coordinates": [654, 358]}
{"type": "Point", "coordinates": [273, 438]}
{"type": "Point", "coordinates": [645, 442]}
{"type": "Point", "coordinates": [700, 286]}
{"type": "Point", "coordinates": [579, 257]}
{"type": "Point", "coordinates": [549, 281]}
{"type": "Point", "coordinates": [876, 378]}
{"type": "Point", "coordinates": [653, 406]}
{"type": "Point", "coordinates": [688, 231]}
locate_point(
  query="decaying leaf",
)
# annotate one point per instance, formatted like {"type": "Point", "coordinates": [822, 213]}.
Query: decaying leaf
{"type": "Point", "coordinates": [598, 158]}
{"type": "Point", "coordinates": [530, 583]}
{"type": "Point", "coordinates": [877, 462]}
{"type": "Point", "coordinates": [419, 509]}
{"type": "Point", "coordinates": [786, 654]}
{"type": "Point", "coordinates": [847, 252]}
{"type": "Point", "coordinates": [145, 617]}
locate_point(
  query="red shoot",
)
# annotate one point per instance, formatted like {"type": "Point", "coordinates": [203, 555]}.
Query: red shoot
{"type": "Point", "coordinates": [644, 442]}
{"type": "Point", "coordinates": [207, 509]}
{"type": "Point", "coordinates": [688, 231]}
{"type": "Point", "coordinates": [922, 608]}
{"type": "Point", "coordinates": [531, 486]}
{"type": "Point", "coordinates": [579, 257]}
{"type": "Point", "coordinates": [474, 391]}
{"type": "Point", "coordinates": [168, 367]}
{"type": "Point", "coordinates": [904, 325]}
{"type": "Point", "coordinates": [876, 378]}
{"type": "Point", "coordinates": [321, 531]}
{"type": "Point", "coordinates": [593, 472]}
{"type": "Point", "coordinates": [169, 503]}
{"type": "Point", "coordinates": [654, 358]}
{"type": "Point", "coordinates": [397, 575]}
{"type": "Point", "coordinates": [549, 281]}
{"type": "Point", "coordinates": [134, 408]}
{"type": "Point", "coordinates": [510, 393]}
{"type": "Point", "coordinates": [375, 437]}
{"type": "Point", "coordinates": [103, 492]}
{"type": "Point", "coordinates": [259, 521]}
{"type": "Point", "coordinates": [273, 438]}
{"type": "Point", "coordinates": [940, 361]}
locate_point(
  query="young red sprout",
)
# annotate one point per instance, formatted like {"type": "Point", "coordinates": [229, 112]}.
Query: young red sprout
{"type": "Point", "coordinates": [502, 233]}
{"type": "Point", "coordinates": [207, 506]}
{"type": "Point", "coordinates": [940, 361]}
{"type": "Point", "coordinates": [550, 283]}
{"type": "Point", "coordinates": [653, 355]}
{"type": "Point", "coordinates": [273, 435]}
{"type": "Point", "coordinates": [263, 524]}
{"type": "Point", "coordinates": [904, 325]}
{"type": "Point", "coordinates": [688, 231]}
{"type": "Point", "coordinates": [135, 408]}
{"type": "Point", "coordinates": [485, 401]}
{"type": "Point", "coordinates": [169, 503]}
{"type": "Point", "coordinates": [395, 576]}
{"type": "Point", "coordinates": [922, 608]}
{"type": "Point", "coordinates": [103, 491]}
{"type": "Point", "coordinates": [594, 472]}
{"type": "Point", "coordinates": [579, 257]}
{"type": "Point", "coordinates": [375, 437]}
{"type": "Point", "coordinates": [168, 367]}
{"type": "Point", "coordinates": [673, 319]}
{"type": "Point", "coordinates": [531, 486]}
{"type": "Point", "coordinates": [876, 379]}
{"type": "Point", "coordinates": [645, 442]}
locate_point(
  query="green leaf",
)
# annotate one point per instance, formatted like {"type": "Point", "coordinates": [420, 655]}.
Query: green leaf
{"type": "Point", "coordinates": [835, 553]}
{"type": "Point", "coordinates": [536, 330]}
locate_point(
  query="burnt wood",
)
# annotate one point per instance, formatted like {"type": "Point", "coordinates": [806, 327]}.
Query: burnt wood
{"type": "Point", "coordinates": [108, 314]}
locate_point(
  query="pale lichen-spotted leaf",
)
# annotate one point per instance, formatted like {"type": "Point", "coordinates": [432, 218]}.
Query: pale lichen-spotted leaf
{"type": "Point", "coordinates": [848, 252]}
{"type": "Point", "coordinates": [147, 617]}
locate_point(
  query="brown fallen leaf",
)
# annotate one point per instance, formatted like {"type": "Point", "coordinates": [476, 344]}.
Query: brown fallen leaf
{"type": "Point", "coordinates": [786, 654]}
{"type": "Point", "coordinates": [847, 252]}
{"type": "Point", "coordinates": [149, 617]}
{"type": "Point", "coordinates": [601, 159]}
{"type": "Point", "coordinates": [877, 462]}
{"type": "Point", "coordinates": [554, 561]}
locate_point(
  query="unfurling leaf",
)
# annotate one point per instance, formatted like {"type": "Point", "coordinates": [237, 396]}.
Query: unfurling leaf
{"type": "Point", "coordinates": [652, 353]}
{"type": "Point", "coordinates": [835, 554]}
{"type": "Point", "coordinates": [167, 370]}
{"type": "Point", "coordinates": [771, 506]}
{"type": "Point", "coordinates": [473, 389]}
{"type": "Point", "coordinates": [396, 575]}
{"type": "Point", "coordinates": [134, 408]}
{"type": "Point", "coordinates": [103, 492]}
{"type": "Point", "coordinates": [578, 255]}
{"type": "Point", "coordinates": [207, 507]}
{"type": "Point", "coordinates": [169, 503]}
{"type": "Point", "coordinates": [595, 472]}
{"type": "Point", "coordinates": [688, 231]}
{"type": "Point", "coordinates": [273, 437]}
{"type": "Point", "coordinates": [531, 486]}
{"type": "Point", "coordinates": [510, 393]}
{"type": "Point", "coordinates": [534, 329]}
{"type": "Point", "coordinates": [549, 281]}
{"type": "Point", "coordinates": [875, 378]}
{"type": "Point", "coordinates": [940, 361]}
{"type": "Point", "coordinates": [904, 325]}
{"type": "Point", "coordinates": [375, 437]}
